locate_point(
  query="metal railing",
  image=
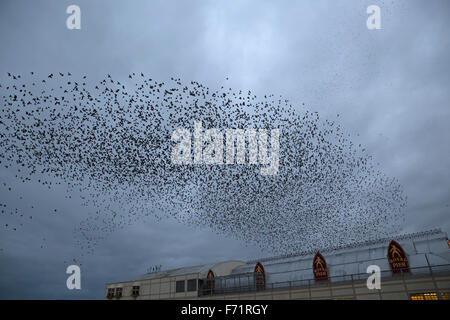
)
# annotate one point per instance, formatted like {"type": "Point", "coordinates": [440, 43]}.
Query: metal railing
{"type": "Point", "coordinates": [220, 284]}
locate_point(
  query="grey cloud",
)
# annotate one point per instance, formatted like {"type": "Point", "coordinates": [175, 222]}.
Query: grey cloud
{"type": "Point", "coordinates": [390, 86]}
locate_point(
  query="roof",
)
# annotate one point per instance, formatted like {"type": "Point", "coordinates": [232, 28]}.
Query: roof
{"type": "Point", "coordinates": [352, 245]}
{"type": "Point", "coordinates": [293, 261]}
{"type": "Point", "coordinates": [177, 272]}
{"type": "Point", "coordinates": [219, 268]}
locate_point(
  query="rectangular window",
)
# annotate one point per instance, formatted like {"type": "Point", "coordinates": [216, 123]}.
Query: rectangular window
{"type": "Point", "coordinates": [179, 286]}
{"type": "Point", "coordinates": [135, 291]}
{"type": "Point", "coordinates": [192, 285]}
{"type": "Point", "coordinates": [110, 293]}
{"type": "Point", "coordinates": [118, 292]}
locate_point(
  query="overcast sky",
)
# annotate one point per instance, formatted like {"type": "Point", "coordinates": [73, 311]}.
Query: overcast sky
{"type": "Point", "coordinates": [390, 87]}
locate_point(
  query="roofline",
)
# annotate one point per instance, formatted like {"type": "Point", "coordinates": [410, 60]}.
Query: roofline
{"type": "Point", "coordinates": [161, 271]}
{"type": "Point", "coordinates": [302, 253]}
{"type": "Point", "coordinates": [351, 245]}
{"type": "Point", "coordinates": [212, 264]}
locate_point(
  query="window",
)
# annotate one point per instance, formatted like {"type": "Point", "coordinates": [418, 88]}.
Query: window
{"type": "Point", "coordinates": [260, 276]}
{"type": "Point", "coordinates": [110, 293]}
{"type": "Point", "coordinates": [201, 286]}
{"type": "Point", "coordinates": [192, 285]}
{"type": "Point", "coordinates": [210, 284]}
{"type": "Point", "coordinates": [445, 295]}
{"type": "Point", "coordinates": [424, 296]}
{"type": "Point", "coordinates": [179, 286]}
{"type": "Point", "coordinates": [135, 291]}
{"type": "Point", "coordinates": [430, 296]}
{"type": "Point", "coordinates": [118, 292]}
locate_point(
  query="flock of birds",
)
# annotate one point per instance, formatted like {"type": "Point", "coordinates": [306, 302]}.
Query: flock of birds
{"type": "Point", "coordinates": [111, 140]}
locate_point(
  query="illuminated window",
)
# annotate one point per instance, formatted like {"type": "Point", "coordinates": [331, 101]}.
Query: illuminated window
{"type": "Point", "coordinates": [210, 283]}
{"type": "Point", "coordinates": [445, 295]}
{"type": "Point", "coordinates": [260, 277]}
{"type": "Point", "coordinates": [424, 296]}
{"type": "Point", "coordinates": [430, 296]}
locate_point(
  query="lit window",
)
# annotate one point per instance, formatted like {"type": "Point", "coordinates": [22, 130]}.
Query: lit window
{"type": "Point", "coordinates": [192, 285]}
{"type": "Point", "coordinates": [445, 295]}
{"type": "Point", "coordinates": [424, 296]}
{"type": "Point", "coordinates": [430, 296]}
{"type": "Point", "coordinates": [179, 286]}
{"type": "Point", "coordinates": [260, 277]}
{"type": "Point", "coordinates": [135, 291]}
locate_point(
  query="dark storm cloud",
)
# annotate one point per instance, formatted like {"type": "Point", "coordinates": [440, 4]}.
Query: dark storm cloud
{"type": "Point", "coordinates": [390, 86]}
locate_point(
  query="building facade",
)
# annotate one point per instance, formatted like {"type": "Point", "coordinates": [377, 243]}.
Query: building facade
{"type": "Point", "coordinates": [413, 266]}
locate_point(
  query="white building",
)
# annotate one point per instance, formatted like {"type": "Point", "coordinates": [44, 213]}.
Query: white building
{"type": "Point", "coordinates": [413, 266]}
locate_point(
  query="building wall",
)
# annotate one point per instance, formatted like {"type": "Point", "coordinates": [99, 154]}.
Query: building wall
{"type": "Point", "coordinates": [422, 251]}
{"type": "Point", "coordinates": [400, 288]}
{"type": "Point", "coordinates": [155, 289]}
{"type": "Point", "coordinates": [291, 277]}
{"type": "Point", "coordinates": [392, 289]}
